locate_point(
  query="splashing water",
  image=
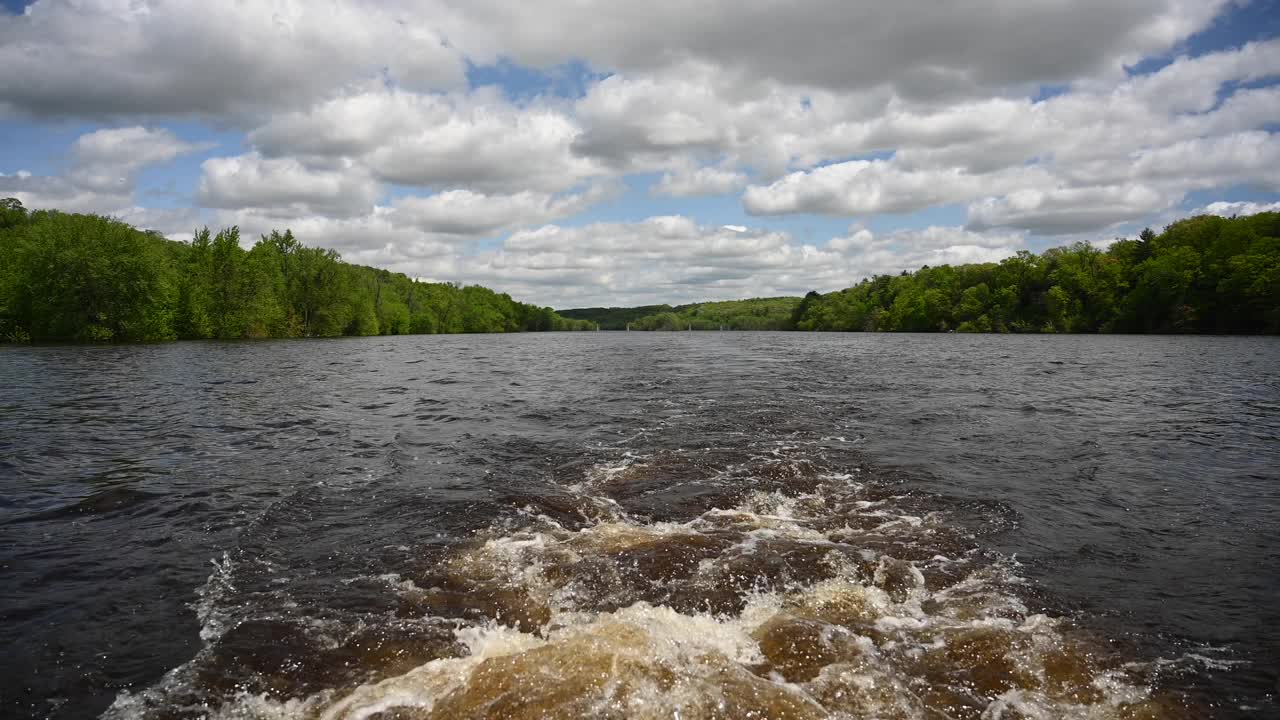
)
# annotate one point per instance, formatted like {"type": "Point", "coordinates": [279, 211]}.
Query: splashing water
{"type": "Point", "coordinates": [798, 592]}
{"type": "Point", "coordinates": [617, 526]}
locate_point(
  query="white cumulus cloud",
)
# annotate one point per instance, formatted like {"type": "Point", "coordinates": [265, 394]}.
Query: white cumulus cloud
{"type": "Point", "coordinates": [285, 187]}
{"type": "Point", "coordinates": [102, 172]}
{"type": "Point", "coordinates": [1228, 209]}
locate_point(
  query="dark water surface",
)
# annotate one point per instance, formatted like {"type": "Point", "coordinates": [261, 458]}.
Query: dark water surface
{"type": "Point", "coordinates": [642, 525]}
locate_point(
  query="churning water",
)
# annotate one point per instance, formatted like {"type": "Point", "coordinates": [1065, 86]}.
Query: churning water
{"type": "Point", "coordinates": [628, 525]}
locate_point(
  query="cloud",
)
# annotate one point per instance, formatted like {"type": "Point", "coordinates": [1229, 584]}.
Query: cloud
{"type": "Point", "coordinates": [693, 182]}
{"type": "Point", "coordinates": [922, 50]}
{"type": "Point", "coordinates": [671, 118]}
{"type": "Point", "coordinates": [680, 116]}
{"type": "Point", "coordinates": [181, 57]}
{"type": "Point", "coordinates": [470, 214]}
{"type": "Point", "coordinates": [868, 255]}
{"type": "Point", "coordinates": [878, 186]}
{"type": "Point", "coordinates": [658, 259]}
{"type": "Point", "coordinates": [497, 166]}
{"type": "Point", "coordinates": [856, 241]}
{"type": "Point", "coordinates": [479, 141]}
{"type": "Point", "coordinates": [59, 193]}
{"type": "Point", "coordinates": [109, 158]}
{"type": "Point", "coordinates": [285, 188]}
{"type": "Point", "coordinates": [675, 259]}
{"type": "Point", "coordinates": [103, 171]}
{"type": "Point", "coordinates": [1128, 148]}
{"type": "Point", "coordinates": [1247, 157]}
{"type": "Point", "coordinates": [1229, 209]}
{"type": "Point", "coordinates": [1066, 210]}
{"type": "Point", "coordinates": [1191, 85]}
{"type": "Point", "coordinates": [107, 58]}
{"type": "Point", "coordinates": [652, 120]}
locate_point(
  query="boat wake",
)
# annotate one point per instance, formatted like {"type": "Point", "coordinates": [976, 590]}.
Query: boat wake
{"type": "Point", "coordinates": [677, 584]}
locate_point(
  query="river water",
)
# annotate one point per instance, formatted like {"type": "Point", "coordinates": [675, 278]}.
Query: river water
{"type": "Point", "coordinates": [692, 525]}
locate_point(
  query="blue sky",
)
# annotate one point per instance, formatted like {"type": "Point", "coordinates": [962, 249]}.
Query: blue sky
{"type": "Point", "coordinates": [582, 153]}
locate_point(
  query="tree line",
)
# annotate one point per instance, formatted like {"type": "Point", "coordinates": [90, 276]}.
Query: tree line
{"type": "Point", "coordinates": [75, 277]}
{"type": "Point", "coordinates": [1205, 274]}
{"type": "Point", "coordinates": [752, 314]}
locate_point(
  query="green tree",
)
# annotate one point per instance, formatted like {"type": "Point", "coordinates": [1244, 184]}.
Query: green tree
{"type": "Point", "coordinates": [85, 277]}
{"type": "Point", "coordinates": [12, 213]}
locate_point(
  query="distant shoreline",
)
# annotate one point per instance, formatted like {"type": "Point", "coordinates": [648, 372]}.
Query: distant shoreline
{"type": "Point", "coordinates": [85, 278]}
{"type": "Point", "coordinates": [1203, 275]}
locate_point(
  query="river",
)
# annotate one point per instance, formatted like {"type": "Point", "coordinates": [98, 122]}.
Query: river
{"type": "Point", "coordinates": [694, 525]}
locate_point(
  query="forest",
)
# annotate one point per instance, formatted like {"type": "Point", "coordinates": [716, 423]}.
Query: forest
{"type": "Point", "coordinates": [753, 314]}
{"type": "Point", "coordinates": [73, 277]}
{"type": "Point", "coordinates": [1205, 274]}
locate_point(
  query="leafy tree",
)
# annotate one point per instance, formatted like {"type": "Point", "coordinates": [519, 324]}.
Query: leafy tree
{"type": "Point", "coordinates": [12, 213]}
{"type": "Point", "coordinates": [1202, 274]}
{"type": "Point", "coordinates": [83, 277]}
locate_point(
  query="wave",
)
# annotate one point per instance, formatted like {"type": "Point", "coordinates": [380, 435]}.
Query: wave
{"type": "Point", "coordinates": [690, 584]}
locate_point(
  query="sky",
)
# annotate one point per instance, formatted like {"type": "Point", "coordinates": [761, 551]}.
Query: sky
{"type": "Point", "coordinates": [608, 152]}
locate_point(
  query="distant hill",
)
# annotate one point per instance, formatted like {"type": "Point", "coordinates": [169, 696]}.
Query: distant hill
{"type": "Point", "coordinates": [752, 314]}
{"type": "Point", "coordinates": [613, 318]}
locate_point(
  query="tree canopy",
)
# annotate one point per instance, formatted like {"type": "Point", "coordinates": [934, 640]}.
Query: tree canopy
{"type": "Point", "coordinates": [1205, 274]}
{"type": "Point", "coordinates": [752, 314]}
{"type": "Point", "coordinates": [71, 277]}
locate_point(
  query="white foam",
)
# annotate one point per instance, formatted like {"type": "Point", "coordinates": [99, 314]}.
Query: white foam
{"type": "Point", "coordinates": [884, 616]}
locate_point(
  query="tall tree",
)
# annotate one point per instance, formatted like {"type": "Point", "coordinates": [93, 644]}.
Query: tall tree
{"type": "Point", "coordinates": [85, 277]}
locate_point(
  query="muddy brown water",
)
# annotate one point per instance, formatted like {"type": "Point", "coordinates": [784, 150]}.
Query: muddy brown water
{"type": "Point", "coordinates": [633, 525]}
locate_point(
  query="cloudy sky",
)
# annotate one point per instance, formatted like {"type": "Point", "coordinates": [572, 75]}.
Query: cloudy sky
{"type": "Point", "coordinates": [582, 152]}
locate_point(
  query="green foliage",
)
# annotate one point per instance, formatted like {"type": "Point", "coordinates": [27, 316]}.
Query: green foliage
{"type": "Point", "coordinates": [83, 277]}
{"type": "Point", "coordinates": [614, 318]}
{"type": "Point", "coordinates": [12, 213]}
{"type": "Point", "coordinates": [753, 314]}
{"type": "Point", "coordinates": [1203, 274]}
{"type": "Point", "coordinates": [88, 278]}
